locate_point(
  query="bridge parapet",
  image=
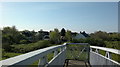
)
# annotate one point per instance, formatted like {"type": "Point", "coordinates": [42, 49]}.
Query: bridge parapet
{"type": "Point", "coordinates": [59, 57]}
{"type": "Point", "coordinates": [41, 55]}
{"type": "Point", "coordinates": [97, 59]}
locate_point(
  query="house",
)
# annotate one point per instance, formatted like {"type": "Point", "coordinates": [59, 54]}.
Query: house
{"type": "Point", "coordinates": [46, 37]}
{"type": "Point", "coordinates": [79, 36]}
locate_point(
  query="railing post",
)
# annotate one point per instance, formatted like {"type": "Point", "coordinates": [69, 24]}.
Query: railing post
{"type": "Point", "coordinates": [55, 53]}
{"type": "Point", "coordinates": [88, 52]}
{"type": "Point", "coordinates": [97, 51]}
{"type": "Point", "coordinates": [91, 49]}
{"type": "Point", "coordinates": [61, 49]}
{"type": "Point", "coordinates": [108, 55]}
{"type": "Point", "coordinates": [42, 61]}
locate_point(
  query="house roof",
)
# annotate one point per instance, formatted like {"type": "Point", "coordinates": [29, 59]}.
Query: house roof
{"type": "Point", "coordinates": [78, 36]}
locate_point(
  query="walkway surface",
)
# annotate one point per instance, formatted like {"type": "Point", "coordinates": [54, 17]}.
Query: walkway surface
{"type": "Point", "coordinates": [76, 63]}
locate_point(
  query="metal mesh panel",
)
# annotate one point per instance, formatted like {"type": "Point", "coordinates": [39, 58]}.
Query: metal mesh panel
{"type": "Point", "coordinates": [77, 52]}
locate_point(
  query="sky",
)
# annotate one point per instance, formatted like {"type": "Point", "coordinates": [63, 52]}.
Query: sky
{"type": "Point", "coordinates": [74, 16]}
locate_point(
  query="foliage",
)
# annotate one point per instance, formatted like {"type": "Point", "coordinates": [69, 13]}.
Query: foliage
{"type": "Point", "coordinates": [95, 42]}
{"type": "Point", "coordinates": [63, 32]}
{"type": "Point", "coordinates": [112, 44]}
{"type": "Point", "coordinates": [39, 36]}
{"type": "Point", "coordinates": [23, 48]}
{"type": "Point", "coordinates": [29, 35]}
{"type": "Point", "coordinates": [68, 35]}
{"type": "Point", "coordinates": [9, 54]}
{"type": "Point", "coordinates": [78, 40]}
{"type": "Point", "coordinates": [23, 41]}
{"type": "Point", "coordinates": [100, 35]}
{"type": "Point", "coordinates": [55, 36]}
{"type": "Point", "coordinates": [110, 40]}
{"type": "Point", "coordinates": [114, 36]}
{"type": "Point", "coordinates": [10, 35]}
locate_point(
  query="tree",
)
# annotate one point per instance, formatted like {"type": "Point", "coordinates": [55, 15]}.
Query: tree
{"type": "Point", "coordinates": [39, 36]}
{"type": "Point", "coordinates": [10, 35]}
{"type": "Point", "coordinates": [100, 35]}
{"type": "Point", "coordinates": [63, 32]}
{"type": "Point", "coordinates": [68, 35]}
{"type": "Point", "coordinates": [27, 33]}
{"type": "Point", "coordinates": [55, 36]}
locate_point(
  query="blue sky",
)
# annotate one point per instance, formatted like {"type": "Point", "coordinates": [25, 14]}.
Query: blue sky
{"type": "Point", "coordinates": [75, 16]}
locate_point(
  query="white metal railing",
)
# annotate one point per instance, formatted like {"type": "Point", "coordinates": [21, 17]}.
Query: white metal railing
{"type": "Point", "coordinates": [97, 59]}
{"type": "Point", "coordinates": [59, 57]}
{"type": "Point", "coordinates": [29, 58]}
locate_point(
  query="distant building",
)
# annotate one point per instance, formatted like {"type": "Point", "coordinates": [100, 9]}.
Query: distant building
{"type": "Point", "coordinates": [79, 36]}
{"type": "Point", "coordinates": [84, 34]}
{"type": "Point", "coordinates": [46, 37]}
{"type": "Point", "coordinates": [42, 35]}
{"type": "Point", "coordinates": [44, 32]}
{"type": "Point", "coordinates": [74, 34]}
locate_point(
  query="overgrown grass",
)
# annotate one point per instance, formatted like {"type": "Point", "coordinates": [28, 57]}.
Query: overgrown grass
{"type": "Point", "coordinates": [19, 49]}
{"type": "Point", "coordinates": [7, 55]}
{"type": "Point", "coordinates": [24, 48]}
{"type": "Point", "coordinates": [49, 57]}
{"type": "Point", "coordinates": [115, 57]}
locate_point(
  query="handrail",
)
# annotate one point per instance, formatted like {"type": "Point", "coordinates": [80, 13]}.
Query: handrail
{"type": "Point", "coordinates": [30, 57]}
{"type": "Point", "coordinates": [107, 49]}
{"type": "Point", "coordinates": [100, 59]}
{"type": "Point", "coordinates": [79, 43]}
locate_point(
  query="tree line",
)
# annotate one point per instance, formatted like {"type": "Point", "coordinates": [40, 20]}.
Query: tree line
{"type": "Point", "coordinates": [10, 36]}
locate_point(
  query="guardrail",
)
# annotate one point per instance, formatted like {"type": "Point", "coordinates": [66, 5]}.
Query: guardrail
{"type": "Point", "coordinates": [29, 58]}
{"type": "Point", "coordinates": [97, 59]}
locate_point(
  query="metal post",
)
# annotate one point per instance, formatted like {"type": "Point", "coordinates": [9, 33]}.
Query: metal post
{"type": "Point", "coordinates": [55, 53]}
{"type": "Point", "coordinates": [42, 61]}
{"type": "Point", "coordinates": [97, 51]}
{"type": "Point", "coordinates": [108, 55]}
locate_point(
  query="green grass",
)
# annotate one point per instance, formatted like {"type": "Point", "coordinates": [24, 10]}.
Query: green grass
{"type": "Point", "coordinates": [7, 55]}
{"type": "Point", "coordinates": [24, 48]}
{"type": "Point", "coordinates": [49, 57]}
{"type": "Point", "coordinates": [115, 57]}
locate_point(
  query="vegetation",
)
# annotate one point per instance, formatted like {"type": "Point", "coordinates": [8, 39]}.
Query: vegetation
{"type": "Point", "coordinates": [103, 39]}
{"type": "Point", "coordinates": [55, 36]}
{"type": "Point", "coordinates": [24, 48]}
{"type": "Point", "coordinates": [68, 35]}
{"type": "Point", "coordinates": [16, 42]}
{"type": "Point", "coordinates": [63, 32]}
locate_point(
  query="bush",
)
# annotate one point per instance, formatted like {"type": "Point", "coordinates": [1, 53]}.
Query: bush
{"type": "Point", "coordinates": [95, 42]}
{"type": "Point", "coordinates": [8, 55]}
{"type": "Point", "coordinates": [23, 48]}
{"type": "Point", "coordinates": [75, 41]}
{"type": "Point", "coordinates": [91, 41]}
{"type": "Point", "coordinates": [6, 47]}
{"type": "Point", "coordinates": [112, 44]}
{"type": "Point", "coordinates": [23, 41]}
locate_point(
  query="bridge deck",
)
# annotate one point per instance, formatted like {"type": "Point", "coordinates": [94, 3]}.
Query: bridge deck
{"type": "Point", "coordinates": [76, 63]}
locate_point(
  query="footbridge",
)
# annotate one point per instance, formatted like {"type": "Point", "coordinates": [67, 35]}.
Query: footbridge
{"type": "Point", "coordinates": [65, 55]}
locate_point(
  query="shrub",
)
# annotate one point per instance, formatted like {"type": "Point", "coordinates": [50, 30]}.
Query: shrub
{"type": "Point", "coordinates": [112, 44]}
{"type": "Point", "coordinates": [23, 41]}
{"type": "Point", "coordinates": [95, 42]}
{"type": "Point", "coordinates": [8, 55]}
{"type": "Point", "coordinates": [23, 48]}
